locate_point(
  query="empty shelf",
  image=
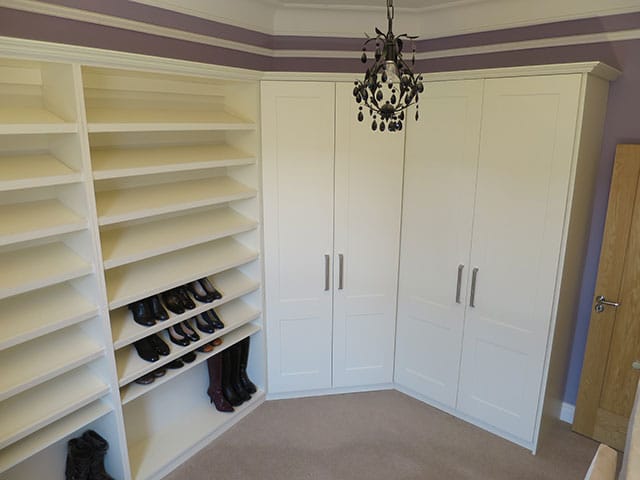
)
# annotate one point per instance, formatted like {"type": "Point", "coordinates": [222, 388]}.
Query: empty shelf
{"type": "Point", "coordinates": [32, 120]}
{"type": "Point", "coordinates": [31, 268]}
{"type": "Point", "coordinates": [128, 204]}
{"type": "Point", "coordinates": [35, 362]}
{"type": "Point", "coordinates": [154, 275]}
{"type": "Point", "coordinates": [28, 171]}
{"type": "Point", "coordinates": [126, 162]}
{"type": "Point", "coordinates": [42, 405]}
{"type": "Point", "coordinates": [28, 316]}
{"type": "Point", "coordinates": [132, 243]}
{"type": "Point", "coordinates": [30, 220]}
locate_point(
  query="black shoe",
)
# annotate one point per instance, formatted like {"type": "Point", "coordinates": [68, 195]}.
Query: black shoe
{"type": "Point", "coordinates": [185, 298]}
{"type": "Point", "coordinates": [99, 447]}
{"type": "Point", "coordinates": [159, 345]}
{"type": "Point", "coordinates": [199, 293]}
{"type": "Point", "coordinates": [204, 324]}
{"type": "Point", "coordinates": [146, 379]}
{"type": "Point", "coordinates": [179, 338]}
{"type": "Point", "coordinates": [176, 364]}
{"type": "Point", "coordinates": [146, 350]}
{"type": "Point", "coordinates": [247, 384]}
{"type": "Point", "coordinates": [189, 357]}
{"type": "Point", "coordinates": [173, 302]}
{"type": "Point", "coordinates": [159, 313]}
{"type": "Point", "coordinates": [142, 313]}
{"type": "Point", "coordinates": [216, 319]}
{"type": "Point", "coordinates": [78, 459]}
{"type": "Point", "coordinates": [227, 378]}
{"type": "Point", "coordinates": [159, 372]}
{"type": "Point", "coordinates": [210, 289]}
{"type": "Point", "coordinates": [186, 329]}
{"type": "Point", "coordinates": [236, 382]}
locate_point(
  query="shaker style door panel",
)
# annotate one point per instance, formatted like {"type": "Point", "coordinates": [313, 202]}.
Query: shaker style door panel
{"type": "Point", "coordinates": [368, 198]}
{"type": "Point", "coordinates": [439, 185]}
{"type": "Point", "coordinates": [528, 132]}
{"type": "Point", "coordinates": [298, 159]}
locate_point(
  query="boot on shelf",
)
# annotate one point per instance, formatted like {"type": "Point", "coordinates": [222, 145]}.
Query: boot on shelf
{"type": "Point", "coordinates": [214, 364]}
{"type": "Point", "coordinates": [247, 384]}
{"type": "Point", "coordinates": [236, 382]}
{"type": "Point", "coordinates": [99, 447]}
{"type": "Point", "coordinates": [227, 378]}
{"type": "Point", "coordinates": [78, 459]}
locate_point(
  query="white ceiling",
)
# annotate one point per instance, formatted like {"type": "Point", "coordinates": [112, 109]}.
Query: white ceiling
{"type": "Point", "coordinates": [356, 4]}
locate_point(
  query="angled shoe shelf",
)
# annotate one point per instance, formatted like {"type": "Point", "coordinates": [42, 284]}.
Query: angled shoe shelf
{"type": "Point", "coordinates": [127, 244]}
{"type": "Point", "coordinates": [28, 171]}
{"type": "Point", "coordinates": [231, 283]}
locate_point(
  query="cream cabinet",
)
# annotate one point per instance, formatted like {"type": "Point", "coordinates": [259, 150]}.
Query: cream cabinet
{"type": "Point", "coordinates": [498, 178]}
{"type": "Point", "coordinates": [332, 200]}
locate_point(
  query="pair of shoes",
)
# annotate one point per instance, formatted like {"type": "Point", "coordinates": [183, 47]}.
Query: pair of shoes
{"type": "Point", "coordinates": [208, 322]}
{"type": "Point", "coordinates": [176, 364]}
{"type": "Point", "coordinates": [189, 357]}
{"type": "Point", "coordinates": [85, 457]}
{"type": "Point", "coordinates": [229, 384]}
{"type": "Point", "coordinates": [178, 300]}
{"type": "Point", "coordinates": [147, 311]}
{"type": "Point", "coordinates": [149, 348]}
{"type": "Point", "coordinates": [204, 291]}
{"type": "Point", "coordinates": [150, 377]}
{"type": "Point", "coordinates": [182, 334]}
{"type": "Point", "coordinates": [210, 346]}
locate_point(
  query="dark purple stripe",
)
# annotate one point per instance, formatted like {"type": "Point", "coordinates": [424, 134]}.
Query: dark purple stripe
{"type": "Point", "coordinates": [167, 18]}
{"type": "Point", "coordinates": [15, 23]}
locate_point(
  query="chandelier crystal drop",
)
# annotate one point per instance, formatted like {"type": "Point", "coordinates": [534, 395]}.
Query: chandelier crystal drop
{"type": "Point", "coordinates": [389, 86]}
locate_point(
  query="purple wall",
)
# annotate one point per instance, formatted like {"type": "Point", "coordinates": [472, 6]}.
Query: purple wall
{"type": "Point", "coordinates": [624, 101]}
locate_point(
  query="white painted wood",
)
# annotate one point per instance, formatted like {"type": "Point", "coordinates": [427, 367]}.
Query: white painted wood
{"type": "Point", "coordinates": [121, 162]}
{"type": "Point", "coordinates": [29, 171]}
{"type": "Point", "coordinates": [141, 202]}
{"type": "Point", "coordinates": [52, 309]}
{"type": "Point", "coordinates": [42, 405]}
{"type": "Point", "coordinates": [132, 243]}
{"type": "Point", "coordinates": [36, 267]}
{"type": "Point", "coordinates": [231, 284]}
{"type": "Point", "coordinates": [130, 366]}
{"type": "Point", "coordinates": [42, 359]}
{"type": "Point", "coordinates": [32, 220]}
{"type": "Point", "coordinates": [132, 391]}
{"type": "Point", "coordinates": [368, 198]}
{"type": "Point", "coordinates": [526, 150]}
{"type": "Point", "coordinates": [19, 451]}
{"type": "Point", "coordinates": [145, 278]}
{"type": "Point", "coordinates": [298, 159]}
{"type": "Point", "coordinates": [439, 188]}
{"type": "Point", "coordinates": [24, 120]}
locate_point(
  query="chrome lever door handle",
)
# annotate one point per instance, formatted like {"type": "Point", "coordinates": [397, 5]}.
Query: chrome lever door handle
{"type": "Point", "coordinates": [636, 365]}
{"type": "Point", "coordinates": [601, 302]}
{"type": "Point", "coordinates": [341, 271]}
{"type": "Point", "coordinates": [327, 260]}
{"type": "Point", "coordinates": [474, 279]}
{"type": "Point", "coordinates": [459, 283]}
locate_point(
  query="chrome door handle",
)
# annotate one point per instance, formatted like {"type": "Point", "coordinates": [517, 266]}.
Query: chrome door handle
{"type": "Point", "coordinates": [474, 279]}
{"type": "Point", "coordinates": [341, 271]}
{"type": "Point", "coordinates": [327, 260]}
{"type": "Point", "coordinates": [636, 365]}
{"type": "Point", "coordinates": [459, 284]}
{"type": "Point", "coordinates": [601, 302]}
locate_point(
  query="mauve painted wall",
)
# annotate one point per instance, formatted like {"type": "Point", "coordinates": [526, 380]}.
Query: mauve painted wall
{"type": "Point", "coordinates": [622, 124]}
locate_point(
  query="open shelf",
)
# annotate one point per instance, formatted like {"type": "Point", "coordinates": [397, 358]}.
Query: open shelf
{"type": "Point", "coordinates": [133, 243]}
{"type": "Point", "coordinates": [29, 171]}
{"type": "Point", "coordinates": [140, 202]}
{"type": "Point", "coordinates": [151, 455]}
{"type": "Point", "coordinates": [47, 436]}
{"type": "Point", "coordinates": [40, 360]}
{"type": "Point", "coordinates": [40, 406]}
{"type": "Point", "coordinates": [231, 284]}
{"type": "Point", "coordinates": [20, 222]}
{"type": "Point", "coordinates": [154, 275]}
{"type": "Point", "coordinates": [134, 390]}
{"type": "Point", "coordinates": [28, 316]}
{"type": "Point", "coordinates": [127, 162]}
{"type": "Point", "coordinates": [36, 267]}
{"type": "Point", "coordinates": [130, 366]}
{"type": "Point", "coordinates": [106, 119]}
{"type": "Point", "coordinates": [32, 120]}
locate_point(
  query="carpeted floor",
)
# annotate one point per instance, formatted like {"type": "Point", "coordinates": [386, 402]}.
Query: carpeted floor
{"type": "Point", "coordinates": [377, 436]}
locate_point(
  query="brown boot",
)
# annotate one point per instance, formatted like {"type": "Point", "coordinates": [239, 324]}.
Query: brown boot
{"type": "Point", "coordinates": [214, 364]}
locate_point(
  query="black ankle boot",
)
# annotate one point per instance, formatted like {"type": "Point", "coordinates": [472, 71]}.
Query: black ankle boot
{"type": "Point", "coordinates": [99, 447]}
{"type": "Point", "coordinates": [78, 459]}
{"type": "Point", "coordinates": [227, 379]}
{"type": "Point", "coordinates": [234, 352]}
{"type": "Point", "coordinates": [247, 384]}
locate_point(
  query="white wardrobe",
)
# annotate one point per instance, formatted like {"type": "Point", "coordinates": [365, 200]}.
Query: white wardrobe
{"type": "Point", "coordinates": [332, 201]}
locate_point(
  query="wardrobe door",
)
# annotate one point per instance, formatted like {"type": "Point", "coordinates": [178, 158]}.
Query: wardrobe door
{"type": "Point", "coordinates": [525, 160]}
{"type": "Point", "coordinates": [439, 185]}
{"type": "Point", "coordinates": [298, 159]}
{"type": "Point", "coordinates": [368, 199]}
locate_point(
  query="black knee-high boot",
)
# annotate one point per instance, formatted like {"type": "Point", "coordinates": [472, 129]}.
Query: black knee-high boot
{"type": "Point", "coordinates": [244, 358]}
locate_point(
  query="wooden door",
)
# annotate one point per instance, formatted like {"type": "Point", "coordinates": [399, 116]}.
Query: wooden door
{"type": "Point", "coordinates": [298, 159]}
{"type": "Point", "coordinates": [524, 167]}
{"type": "Point", "coordinates": [439, 189]}
{"type": "Point", "coordinates": [608, 381]}
{"type": "Point", "coordinates": [368, 201]}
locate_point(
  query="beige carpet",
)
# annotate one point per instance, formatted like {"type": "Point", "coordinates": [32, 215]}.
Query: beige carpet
{"type": "Point", "coordinates": [377, 436]}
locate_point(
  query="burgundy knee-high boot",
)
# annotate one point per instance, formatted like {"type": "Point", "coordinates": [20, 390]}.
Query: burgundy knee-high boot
{"type": "Point", "coordinates": [214, 365]}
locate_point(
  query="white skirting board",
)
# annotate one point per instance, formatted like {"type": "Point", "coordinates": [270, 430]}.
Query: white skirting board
{"type": "Point", "coordinates": [566, 412]}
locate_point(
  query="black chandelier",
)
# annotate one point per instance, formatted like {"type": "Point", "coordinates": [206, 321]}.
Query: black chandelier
{"type": "Point", "coordinates": [389, 86]}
